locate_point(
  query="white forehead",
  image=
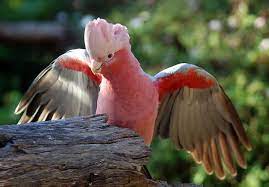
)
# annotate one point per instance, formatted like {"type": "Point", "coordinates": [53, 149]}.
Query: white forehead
{"type": "Point", "coordinates": [102, 38]}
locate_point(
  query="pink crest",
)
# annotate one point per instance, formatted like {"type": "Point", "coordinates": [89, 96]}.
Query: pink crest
{"type": "Point", "coordinates": [102, 38]}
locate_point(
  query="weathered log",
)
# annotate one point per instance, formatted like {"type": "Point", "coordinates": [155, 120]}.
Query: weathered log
{"type": "Point", "coordinates": [82, 151]}
{"type": "Point", "coordinates": [33, 32]}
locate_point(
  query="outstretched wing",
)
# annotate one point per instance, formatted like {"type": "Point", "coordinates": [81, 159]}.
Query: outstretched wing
{"type": "Point", "coordinates": [199, 117]}
{"type": "Point", "coordinates": [66, 88]}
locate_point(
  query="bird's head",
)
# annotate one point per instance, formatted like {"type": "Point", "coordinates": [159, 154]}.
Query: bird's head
{"type": "Point", "coordinates": [103, 42]}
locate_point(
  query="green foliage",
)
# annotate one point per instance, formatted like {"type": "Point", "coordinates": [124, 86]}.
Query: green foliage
{"type": "Point", "coordinates": [227, 38]}
{"type": "Point", "coordinates": [16, 10]}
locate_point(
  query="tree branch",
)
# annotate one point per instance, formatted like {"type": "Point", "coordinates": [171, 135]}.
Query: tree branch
{"type": "Point", "coordinates": [81, 151]}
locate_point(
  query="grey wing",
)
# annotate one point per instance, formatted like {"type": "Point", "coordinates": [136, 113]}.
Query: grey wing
{"type": "Point", "coordinates": [203, 121]}
{"type": "Point", "coordinates": [58, 92]}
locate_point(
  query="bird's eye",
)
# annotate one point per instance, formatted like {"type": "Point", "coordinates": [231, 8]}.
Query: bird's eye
{"type": "Point", "coordinates": [110, 55]}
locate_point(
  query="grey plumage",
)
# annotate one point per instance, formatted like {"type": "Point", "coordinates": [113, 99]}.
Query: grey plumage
{"type": "Point", "coordinates": [58, 92]}
{"type": "Point", "coordinates": [204, 122]}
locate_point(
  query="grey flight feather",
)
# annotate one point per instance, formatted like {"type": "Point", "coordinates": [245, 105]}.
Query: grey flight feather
{"type": "Point", "coordinates": [202, 121]}
{"type": "Point", "coordinates": [58, 92]}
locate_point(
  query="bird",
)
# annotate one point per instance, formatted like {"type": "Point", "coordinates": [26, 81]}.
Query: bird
{"type": "Point", "coordinates": [183, 103]}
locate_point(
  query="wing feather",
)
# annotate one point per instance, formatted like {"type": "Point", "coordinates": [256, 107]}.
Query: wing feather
{"type": "Point", "coordinates": [174, 119]}
{"type": "Point", "coordinates": [227, 110]}
{"type": "Point", "coordinates": [206, 158]}
{"type": "Point", "coordinates": [188, 129]}
{"type": "Point", "coordinates": [195, 156]}
{"type": "Point", "coordinates": [226, 155]}
{"type": "Point", "coordinates": [200, 118]}
{"type": "Point", "coordinates": [216, 160]}
{"type": "Point", "coordinates": [236, 150]}
{"type": "Point", "coordinates": [184, 120]}
{"type": "Point", "coordinates": [60, 92]}
{"type": "Point", "coordinates": [44, 113]}
{"type": "Point", "coordinates": [164, 118]}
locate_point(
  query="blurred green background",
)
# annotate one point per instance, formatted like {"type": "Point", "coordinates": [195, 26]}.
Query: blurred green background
{"type": "Point", "coordinates": [229, 38]}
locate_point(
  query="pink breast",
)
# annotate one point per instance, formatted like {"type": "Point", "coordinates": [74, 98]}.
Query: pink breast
{"type": "Point", "coordinates": [134, 108]}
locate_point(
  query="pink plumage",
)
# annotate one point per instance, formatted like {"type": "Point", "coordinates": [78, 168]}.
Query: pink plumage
{"type": "Point", "coordinates": [121, 98]}
{"type": "Point", "coordinates": [123, 101]}
{"type": "Point", "coordinates": [183, 103]}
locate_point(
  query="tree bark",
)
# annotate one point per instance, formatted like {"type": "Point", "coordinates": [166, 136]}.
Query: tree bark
{"type": "Point", "coordinates": [82, 151]}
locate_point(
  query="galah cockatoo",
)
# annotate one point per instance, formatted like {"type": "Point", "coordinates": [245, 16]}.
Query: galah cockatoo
{"type": "Point", "coordinates": [184, 102]}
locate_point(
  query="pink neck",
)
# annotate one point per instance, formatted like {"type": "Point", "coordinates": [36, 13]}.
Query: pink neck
{"type": "Point", "coordinates": [128, 95]}
{"type": "Point", "coordinates": [123, 71]}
